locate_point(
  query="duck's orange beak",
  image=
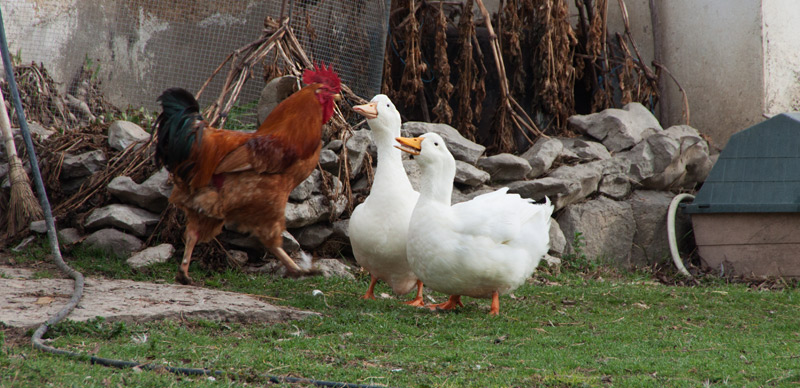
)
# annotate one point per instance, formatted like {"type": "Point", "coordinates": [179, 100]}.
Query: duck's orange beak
{"type": "Point", "coordinates": [370, 111]}
{"type": "Point", "coordinates": [412, 145]}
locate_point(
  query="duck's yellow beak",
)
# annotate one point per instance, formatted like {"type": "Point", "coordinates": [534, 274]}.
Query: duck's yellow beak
{"type": "Point", "coordinates": [412, 145]}
{"type": "Point", "coordinates": [370, 111]}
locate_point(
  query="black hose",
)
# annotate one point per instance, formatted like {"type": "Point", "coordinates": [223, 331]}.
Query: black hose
{"type": "Point", "coordinates": [77, 276]}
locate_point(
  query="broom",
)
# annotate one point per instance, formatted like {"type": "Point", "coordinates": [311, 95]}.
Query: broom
{"type": "Point", "coordinates": [22, 204]}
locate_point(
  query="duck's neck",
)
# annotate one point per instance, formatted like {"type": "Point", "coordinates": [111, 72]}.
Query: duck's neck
{"type": "Point", "coordinates": [436, 183]}
{"type": "Point", "coordinates": [390, 169]}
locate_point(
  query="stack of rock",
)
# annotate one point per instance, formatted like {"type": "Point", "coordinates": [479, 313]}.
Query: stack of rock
{"type": "Point", "coordinates": [611, 186]}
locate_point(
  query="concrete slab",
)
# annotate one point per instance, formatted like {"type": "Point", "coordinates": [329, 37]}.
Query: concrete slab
{"type": "Point", "coordinates": [26, 302]}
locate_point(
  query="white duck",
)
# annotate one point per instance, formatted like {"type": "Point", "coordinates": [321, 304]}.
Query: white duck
{"type": "Point", "coordinates": [378, 227]}
{"type": "Point", "coordinates": [480, 248]}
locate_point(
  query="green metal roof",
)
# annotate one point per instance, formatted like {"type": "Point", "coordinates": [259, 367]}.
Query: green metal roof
{"type": "Point", "coordinates": [757, 172]}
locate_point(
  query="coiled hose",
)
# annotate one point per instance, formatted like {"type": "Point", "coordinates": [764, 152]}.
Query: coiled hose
{"type": "Point", "coordinates": [77, 293]}
{"type": "Point", "coordinates": [673, 241]}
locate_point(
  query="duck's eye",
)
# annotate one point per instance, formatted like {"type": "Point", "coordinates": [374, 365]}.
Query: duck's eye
{"type": "Point", "coordinates": [388, 106]}
{"type": "Point", "coordinates": [436, 144]}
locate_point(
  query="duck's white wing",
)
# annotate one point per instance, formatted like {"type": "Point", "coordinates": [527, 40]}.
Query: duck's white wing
{"type": "Point", "coordinates": [497, 215]}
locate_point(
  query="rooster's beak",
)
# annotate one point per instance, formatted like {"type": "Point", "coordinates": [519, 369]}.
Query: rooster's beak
{"type": "Point", "coordinates": [370, 111]}
{"type": "Point", "coordinates": [409, 144]}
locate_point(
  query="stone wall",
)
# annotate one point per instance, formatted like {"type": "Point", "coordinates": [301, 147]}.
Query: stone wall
{"type": "Point", "coordinates": [611, 188]}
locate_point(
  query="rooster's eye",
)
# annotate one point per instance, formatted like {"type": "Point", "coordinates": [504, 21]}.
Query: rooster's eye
{"type": "Point", "coordinates": [436, 144]}
{"type": "Point", "coordinates": [388, 106]}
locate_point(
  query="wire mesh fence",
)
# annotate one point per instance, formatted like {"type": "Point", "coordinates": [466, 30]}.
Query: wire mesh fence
{"type": "Point", "coordinates": [137, 48]}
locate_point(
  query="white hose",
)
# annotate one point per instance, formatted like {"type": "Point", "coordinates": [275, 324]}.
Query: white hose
{"type": "Point", "coordinates": [673, 242]}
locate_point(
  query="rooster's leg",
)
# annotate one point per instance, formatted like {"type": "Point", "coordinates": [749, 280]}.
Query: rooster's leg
{"type": "Point", "coordinates": [287, 261]}
{"type": "Point", "coordinates": [418, 302]}
{"type": "Point", "coordinates": [495, 310]}
{"type": "Point", "coordinates": [183, 271]}
{"type": "Point", "coordinates": [453, 302]}
{"type": "Point", "coordinates": [370, 290]}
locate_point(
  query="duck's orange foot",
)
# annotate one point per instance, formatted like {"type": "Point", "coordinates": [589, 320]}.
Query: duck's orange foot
{"type": "Point", "coordinates": [453, 302]}
{"type": "Point", "coordinates": [368, 295]}
{"type": "Point", "coordinates": [371, 290]}
{"type": "Point", "coordinates": [416, 302]}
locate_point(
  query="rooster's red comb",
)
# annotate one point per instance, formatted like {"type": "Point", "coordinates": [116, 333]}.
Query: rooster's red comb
{"type": "Point", "coordinates": [323, 75]}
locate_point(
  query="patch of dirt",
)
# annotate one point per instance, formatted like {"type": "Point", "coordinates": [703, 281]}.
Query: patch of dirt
{"type": "Point", "coordinates": [26, 302]}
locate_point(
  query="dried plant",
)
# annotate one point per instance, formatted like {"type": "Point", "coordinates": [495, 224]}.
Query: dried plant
{"type": "Point", "coordinates": [552, 61]}
{"type": "Point", "coordinates": [444, 89]}
{"type": "Point", "coordinates": [467, 72]}
{"type": "Point", "coordinates": [411, 81]}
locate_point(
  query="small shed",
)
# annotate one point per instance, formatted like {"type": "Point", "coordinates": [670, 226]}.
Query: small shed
{"type": "Point", "coordinates": [746, 217]}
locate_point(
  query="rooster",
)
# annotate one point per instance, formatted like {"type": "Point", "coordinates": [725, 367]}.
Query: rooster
{"type": "Point", "coordinates": [229, 177]}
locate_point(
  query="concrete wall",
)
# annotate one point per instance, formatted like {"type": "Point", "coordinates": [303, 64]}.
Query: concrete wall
{"type": "Point", "coordinates": [132, 44]}
{"type": "Point", "coordinates": [736, 59]}
{"type": "Point", "coordinates": [781, 40]}
{"type": "Point", "coordinates": [713, 47]}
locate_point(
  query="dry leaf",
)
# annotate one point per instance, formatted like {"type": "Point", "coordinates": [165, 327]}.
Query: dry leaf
{"type": "Point", "coordinates": [44, 300]}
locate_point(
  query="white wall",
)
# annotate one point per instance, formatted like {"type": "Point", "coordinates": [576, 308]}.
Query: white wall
{"type": "Point", "coordinates": [781, 36]}
{"type": "Point", "coordinates": [713, 47]}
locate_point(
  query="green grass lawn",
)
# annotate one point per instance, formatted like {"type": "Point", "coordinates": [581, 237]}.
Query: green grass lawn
{"type": "Point", "coordinates": [565, 330]}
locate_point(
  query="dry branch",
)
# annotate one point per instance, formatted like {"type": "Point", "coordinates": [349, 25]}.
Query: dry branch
{"type": "Point", "coordinates": [509, 106]}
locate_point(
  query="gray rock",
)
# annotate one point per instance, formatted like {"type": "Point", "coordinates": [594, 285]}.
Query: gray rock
{"type": "Point", "coordinates": [458, 197]}
{"type": "Point", "coordinates": [237, 258]}
{"type": "Point", "coordinates": [616, 186]}
{"type": "Point", "coordinates": [695, 156]}
{"type": "Point", "coordinates": [356, 147]}
{"type": "Point", "coordinates": [607, 228]}
{"type": "Point", "coordinates": [334, 145]}
{"type": "Point", "coordinates": [329, 161]}
{"type": "Point", "coordinates": [461, 148]}
{"type": "Point", "coordinates": [363, 185]}
{"type": "Point", "coordinates": [151, 255]}
{"type": "Point", "coordinates": [68, 236]}
{"type": "Point", "coordinates": [83, 165]}
{"type": "Point", "coordinates": [122, 134]}
{"type": "Point", "coordinates": [334, 268]}
{"type": "Point", "coordinates": [553, 262]}
{"type": "Point", "coordinates": [341, 229]}
{"type": "Point", "coordinates": [650, 243]}
{"type": "Point", "coordinates": [669, 160]}
{"type": "Point", "coordinates": [36, 130]}
{"type": "Point", "coordinates": [306, 187]}
{"type": "Point", "coordinates": [38, 227]}
{"type": "Point", "coordinates": [324, 267]}
{"type": "Point", "coordinates": [588, 175]}
{"type": "Point", "coordinates": [113, 241]}
{"type": "Point", "coordinates": [582, 151]}
{"type": "Point", "coordinates": [152, 194]}
{"type": "Point", "coordinates": [125, 217]}
{"type": "Point", "coordinates": [470, 175]}
{"type": "Point", "coordinates": [314, 235]}
{"type": "Point", "coordinates": [290, 245]}
{"type": "Point", "coordinates": [414, 173]}
{"type": "Point", "coordinates": [505, 167]}
{"type": "Point", "coordinates": [558, 243]}
{"type": "Point", "coordinates": [618, 129]}
{"type": "Point", "coordinates": [315, 209]}
{"type": "Point", "coordinates": [79, 107]}
{"type": "Point", "coordinates": [275, 91]}
{"type": "Point", "coordinates": [560, 191]}
{"type": "Point", "coordinates": [542, 155]}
